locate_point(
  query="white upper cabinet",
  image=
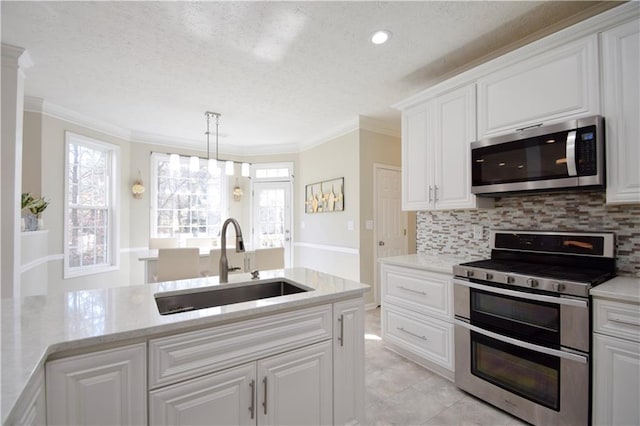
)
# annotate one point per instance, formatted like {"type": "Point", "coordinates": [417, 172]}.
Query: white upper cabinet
{"type": "Point", "coordinates": [551, 86]}
{"type": "Point", "coordinates": [621, 109]}
{"type": "Point", "coordinates": [435, 151]}
{"type": "Point", "coordinates": [414, 158]}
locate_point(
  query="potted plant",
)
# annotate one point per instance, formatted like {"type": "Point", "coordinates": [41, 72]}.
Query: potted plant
{"type": "Point", "coordinates": [33, 207]}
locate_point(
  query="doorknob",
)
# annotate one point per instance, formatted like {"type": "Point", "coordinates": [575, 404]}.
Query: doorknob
{"type": "Point", "coordinates": [380, 243]}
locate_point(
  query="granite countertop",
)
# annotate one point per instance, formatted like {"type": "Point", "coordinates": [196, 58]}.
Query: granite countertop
{"type": "Point", "coordinates": [35, 327]}
{"type": "Point", "coordinates": [621, 289]}
{"type": "Point", "coordinates": [434, 263]}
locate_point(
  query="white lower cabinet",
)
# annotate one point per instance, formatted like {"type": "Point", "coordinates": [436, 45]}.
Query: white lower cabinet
{"type": "Point", "coordinates": [293, 388]}
{"type": "Point", "coordinates": [219, 399]}
{"type": "Point", "coordinates": [616, 389]}
{"type": "Point", "coordinates": [100, 388]}
{"type": "Point", "coordinates": [34, 411]}
{"type": "Point", "coordinates": [348, 365]}
{"type": "Point", "coordinates": [616, 363]}
{"type": "Point", "coordinates": [417, 316]}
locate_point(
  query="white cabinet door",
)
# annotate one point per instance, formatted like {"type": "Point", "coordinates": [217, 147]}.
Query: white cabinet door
{"type": "Point", "coordinates": [454, 128]}
{"type": "Point", "coordinates": [435, 152]}
{"type": "Point", "coordinates": [616, 382]}
{"type": "Point", "coordinates": [416, 174]}
{"type": "Point", "coordinates": [34, 410]}
{"type": "Point", "coordinates": [621, 109]}
{"type": "Point", "coordinates": [224, 398]}
{"type": "Point", "coordinates": [550, 87]}
{"type": "Point", "coordinates": [295, 388]}
{"type": "Point", "coordinates": [100, 388]}
{"type": "Point", "coordinates": [348, 368]}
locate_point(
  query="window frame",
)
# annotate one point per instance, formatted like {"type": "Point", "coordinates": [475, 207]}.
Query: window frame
{"type": "Point", "coordinates": [113, 206]}
{"type": "Point", "coordinates": [153, 202]}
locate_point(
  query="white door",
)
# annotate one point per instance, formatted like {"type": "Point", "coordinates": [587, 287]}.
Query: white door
{"type": "Point", "coordinates": [224, 398]}
{"type": "Point", "coordinates": [272, 217]}
{"type": "Point", "coordinates": [390, 222]}
{"type": "Point", "coordinates": [295, 388]}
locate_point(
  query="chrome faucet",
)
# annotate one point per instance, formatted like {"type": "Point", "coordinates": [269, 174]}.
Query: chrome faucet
{"type": "Point", "coordinates": [224, 264]}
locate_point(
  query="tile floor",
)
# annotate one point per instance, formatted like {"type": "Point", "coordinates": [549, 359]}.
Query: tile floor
{"type": "Point", "coordinates": [400, 392]}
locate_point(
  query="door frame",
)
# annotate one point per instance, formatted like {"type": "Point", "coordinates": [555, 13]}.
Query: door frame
{"type": "Point", "coordinates": [289, 183]}
{"type": "Point", "coordinates": [376, 274]}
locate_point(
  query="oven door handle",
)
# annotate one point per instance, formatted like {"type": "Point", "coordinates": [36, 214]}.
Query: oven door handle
{"type": "Point", "coordinates": [536, 348]}
{"type": "Point", "coordinates": [524, 295]}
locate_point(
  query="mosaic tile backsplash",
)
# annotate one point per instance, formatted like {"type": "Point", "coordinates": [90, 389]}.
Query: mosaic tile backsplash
{"type": "Point", "coordinates": [450, 231]}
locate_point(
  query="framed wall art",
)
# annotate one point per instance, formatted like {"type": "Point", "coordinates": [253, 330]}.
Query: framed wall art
{"type": "Point", "coordinates": [324, 197]}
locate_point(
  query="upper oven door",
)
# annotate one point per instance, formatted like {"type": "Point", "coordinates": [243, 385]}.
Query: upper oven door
{"type": "Point", "coordinates": [545, 320]}
{"type": "Point", "coordinates": [552, 157]}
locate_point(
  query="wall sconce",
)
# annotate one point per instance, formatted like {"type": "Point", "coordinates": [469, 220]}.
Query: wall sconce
{"type": "Point", "coordinates": [237, 192]}
{"type": "Point", "coordinates": [138, 188]}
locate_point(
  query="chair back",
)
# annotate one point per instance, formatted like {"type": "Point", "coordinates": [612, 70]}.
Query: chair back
{"type": "Point", "coordinates": [271, 258]}
{"type": "Point", "coordinates": [158, 243]}
{"type": "Point", "coordinates": [199, 242]}
{"type": "Point", "coordinates": [178, 263]}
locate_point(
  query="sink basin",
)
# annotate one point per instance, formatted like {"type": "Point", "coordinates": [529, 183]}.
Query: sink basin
{"type": "Point", "coordinates": [224, 295]}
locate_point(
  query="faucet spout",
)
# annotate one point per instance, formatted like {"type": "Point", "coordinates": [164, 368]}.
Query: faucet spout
{"type": "Point", "coordinates": [224, 263]}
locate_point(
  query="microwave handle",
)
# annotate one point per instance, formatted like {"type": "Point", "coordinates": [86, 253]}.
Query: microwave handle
{"type": "Point", "coordinates": [571, 153]}
{"type": "Point", "coordinates": [526, 345]}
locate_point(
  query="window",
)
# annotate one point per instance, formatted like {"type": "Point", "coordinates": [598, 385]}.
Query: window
{"type": "Point", "coordinates": [188, 199]}
{"type": "Point", "coordinates": [91, 221]}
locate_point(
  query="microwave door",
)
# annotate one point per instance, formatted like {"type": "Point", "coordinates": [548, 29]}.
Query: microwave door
{"type": "Point", "coordinates": [538, 163]}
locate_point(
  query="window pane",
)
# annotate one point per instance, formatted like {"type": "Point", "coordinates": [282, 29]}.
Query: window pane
{"type": "Point", "coordinates": [187, 204]}
{"type": "Point", "coordinates": [88, 210]}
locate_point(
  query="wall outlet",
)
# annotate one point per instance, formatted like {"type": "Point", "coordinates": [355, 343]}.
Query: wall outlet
{"type": "Point", "coordinates": [478, 232]}
{"type": "Point", "coordinates": [369, 225]}
{"type": "Point", "coordinates": [350, 225]}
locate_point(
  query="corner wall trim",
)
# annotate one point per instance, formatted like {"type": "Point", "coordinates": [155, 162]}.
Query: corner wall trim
{"type": "Point", "coordinates": [326, 247]}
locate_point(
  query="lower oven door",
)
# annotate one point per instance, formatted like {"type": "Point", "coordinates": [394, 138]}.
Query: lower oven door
{"type": "Point", "coordinates": [537, 384]}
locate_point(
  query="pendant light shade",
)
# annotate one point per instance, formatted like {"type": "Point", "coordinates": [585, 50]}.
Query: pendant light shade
{"type": "Point", "coordinates": [245, 170]}
{"type": "Point", "coordinates": [229, 168]}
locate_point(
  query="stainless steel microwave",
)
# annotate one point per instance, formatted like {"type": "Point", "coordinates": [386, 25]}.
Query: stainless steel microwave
{"type": "Point", "coordinates": [561, 156]}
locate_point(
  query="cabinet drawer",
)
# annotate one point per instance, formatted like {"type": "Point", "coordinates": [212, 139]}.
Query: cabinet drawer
{"type": "Point", "coordinates": [617, 319]}
{"type": "Point", "coordinates": [420, 291]}
{"type": "Point", "coordinates": [176, 358]}
{"type": "Point", "coordinates": [427, 337]}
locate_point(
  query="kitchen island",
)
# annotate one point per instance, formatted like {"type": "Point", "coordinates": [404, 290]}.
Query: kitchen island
{"type": "Point", "coordinates": [47, 330]}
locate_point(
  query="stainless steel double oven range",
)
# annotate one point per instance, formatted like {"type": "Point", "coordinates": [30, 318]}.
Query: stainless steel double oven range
{"type": "Point", "coordinates": [522, 323]}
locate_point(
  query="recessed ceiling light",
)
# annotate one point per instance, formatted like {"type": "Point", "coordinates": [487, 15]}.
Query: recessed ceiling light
{"type": "Point", "coordinates": [380, 36]}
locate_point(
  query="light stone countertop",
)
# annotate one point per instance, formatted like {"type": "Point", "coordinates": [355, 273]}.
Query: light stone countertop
{"type": "Point", "coordinates": [433, 263]}
{"type": "Point", "coordinates": [35, 327]}
{"type": "Point", "coordinates": [621, 289]}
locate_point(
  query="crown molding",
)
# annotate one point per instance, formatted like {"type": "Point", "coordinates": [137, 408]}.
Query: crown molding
{"type": "Point", "coordinates": [16, 57]}
{"type": "Point", "coordinates": [335, 132]}
{"type": "Point", "coordinates": [35, 104]}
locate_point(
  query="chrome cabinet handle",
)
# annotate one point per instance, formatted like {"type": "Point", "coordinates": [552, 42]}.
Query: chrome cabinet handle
{"type": "Point", "coordinates": [435, 194]}
{"type": "Point", "coordinates": [412, 334]}
{"type": "Point", "coordinates": [536, 348]}
{"type": "Point", "coordinates": [429, 199]}
{"type": "Point", "coordinates": [252, 408]}
{"type": "Point", "coordinates": [412, 290]}
{"type": "Point", "coordinates": [341, 337]}
{"type": "Point", "coordinates": [264, 404]}
{"type": "Point", "coordinates": [622, 320]}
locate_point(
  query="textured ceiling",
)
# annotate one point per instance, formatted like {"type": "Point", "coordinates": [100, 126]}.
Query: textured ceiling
{"type": "Point", "coordinates": [282, 74]}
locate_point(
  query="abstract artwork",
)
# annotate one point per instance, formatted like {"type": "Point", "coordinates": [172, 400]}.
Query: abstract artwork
{"type": "Point", "coordinates": [326, 196]}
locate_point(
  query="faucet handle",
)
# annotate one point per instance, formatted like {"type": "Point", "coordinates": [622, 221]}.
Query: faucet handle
{"type": "Point", "coordinates": [255, 274]}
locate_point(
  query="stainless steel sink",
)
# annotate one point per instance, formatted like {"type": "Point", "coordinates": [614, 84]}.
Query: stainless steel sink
{"type": "Point", "coordinates": [224, 295]}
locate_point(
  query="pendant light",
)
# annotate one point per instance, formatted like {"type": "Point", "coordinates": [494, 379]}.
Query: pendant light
{"type": "Point", "coordinates": [212, 163]}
